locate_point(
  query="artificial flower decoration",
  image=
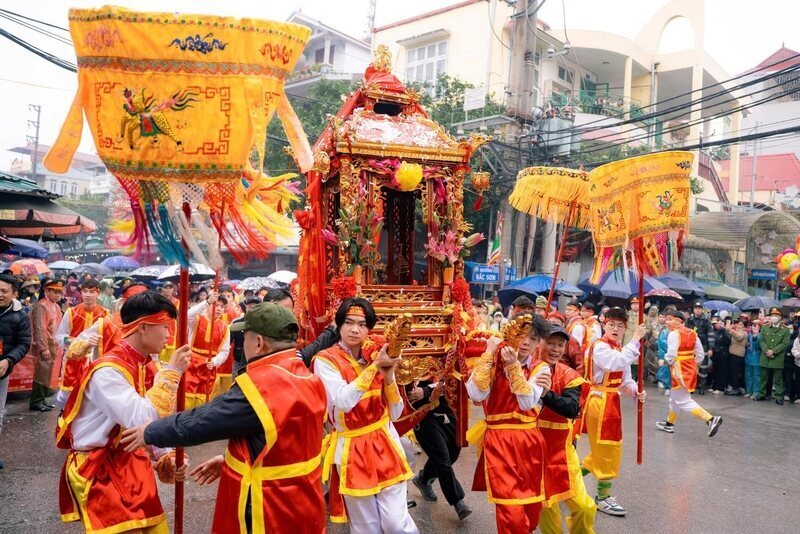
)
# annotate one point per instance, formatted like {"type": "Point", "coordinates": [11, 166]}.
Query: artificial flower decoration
{"type": "Point", "coordinates": [408, 176]}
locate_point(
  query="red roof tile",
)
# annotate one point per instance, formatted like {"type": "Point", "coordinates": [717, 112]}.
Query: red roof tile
{"type": "Point", "coordinates": [778, 60]}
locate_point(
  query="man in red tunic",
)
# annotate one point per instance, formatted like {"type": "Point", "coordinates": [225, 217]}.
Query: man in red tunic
{"type": "Point", "coordinates": [270, 476]}
{"type": "Point", "coordinates": [210, 341]}
{"type": "Point", "coordinates": [45, 318]}
{"type": "Point", "coordinates": [510, 384]}
{"type": "Point", "coordinates": [563, 480]}
{"type": "Point", "coordinates": [364, 454]}
{"type": "Point", "coordinates": [684, 354]}
{"type": "Point", "coordinates": [107, 488]}
{"type": "Point", "coordinates": [77, 319]}
{"type": "Point", "coordinates": [608, 369]}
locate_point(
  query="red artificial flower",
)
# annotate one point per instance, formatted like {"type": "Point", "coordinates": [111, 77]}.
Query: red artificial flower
{"type": "Point", "coordinates": [344, 287]}
{"type": "Point", "coordinates": [460, 292]}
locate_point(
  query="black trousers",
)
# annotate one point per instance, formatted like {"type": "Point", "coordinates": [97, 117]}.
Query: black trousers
{"type": "Point", "coordinates": [791, 378]}
{"type": "Point", "coordinates": [720, 372]}
{"type": "Point", "coordinates": [736, 371]}
{"type": "Point", "coordinates": [438, 440]}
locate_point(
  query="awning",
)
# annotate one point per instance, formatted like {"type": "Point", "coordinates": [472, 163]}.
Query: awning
{"type": "Point", "coordinates": [731, 229]}
{"type": "Point", "coordinates": [28, 216]}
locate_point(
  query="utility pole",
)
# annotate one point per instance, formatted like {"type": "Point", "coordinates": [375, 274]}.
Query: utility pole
{"type": "Point", "coordinates": [753, 176]}
{"type": "Point", "coordinates": [520, 106]}
{"type": "Point", "coordinates": [34, 139]}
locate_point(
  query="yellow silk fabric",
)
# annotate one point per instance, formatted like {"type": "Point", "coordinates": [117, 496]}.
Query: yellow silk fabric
{"type": "Point", "coordinates": [178, 97]}
{"type": "Point", "coordinates": [640, 196]}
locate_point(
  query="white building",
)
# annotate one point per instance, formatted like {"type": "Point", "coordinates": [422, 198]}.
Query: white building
{"type": "Point", "coordinates": [329, 54]}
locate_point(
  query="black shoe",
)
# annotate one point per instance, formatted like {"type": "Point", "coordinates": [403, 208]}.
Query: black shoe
{"type": "Point", "coordinates": [2, 464]}
{"type": "Point", "coordinates": [424, 488]}
{"type": "Point", "coordinates": [51, 406]}
{"type": "Point", "coordinates": [761, 398]}
{"type": "Point", "coordinates": [40, 408]}
{"type": "Point", "coordinates": [713, 425]}
{"type": "Point", "coordinates": [462, 510]}
{"type": "Point", "coordinates": [411, 504]}
{"type": "Point", "coordinates": [779, 402]}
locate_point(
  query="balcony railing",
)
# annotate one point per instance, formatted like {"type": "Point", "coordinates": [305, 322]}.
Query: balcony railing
{"type": "Point", "coordinates": [596, 102]}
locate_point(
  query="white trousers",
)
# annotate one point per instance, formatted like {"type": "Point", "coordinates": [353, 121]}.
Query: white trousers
{"type": "Point", "coordinates": [681, 400]}
{"type": "Point", "coordinates": [384, 513]}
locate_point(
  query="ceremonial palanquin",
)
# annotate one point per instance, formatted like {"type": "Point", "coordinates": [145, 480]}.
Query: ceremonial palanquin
{"type": "Point", "coordinates": [385, 200]}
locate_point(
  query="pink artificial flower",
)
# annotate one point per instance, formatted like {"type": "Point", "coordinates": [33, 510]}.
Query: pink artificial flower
{"type": "Point", "coordinates": [330, 237]}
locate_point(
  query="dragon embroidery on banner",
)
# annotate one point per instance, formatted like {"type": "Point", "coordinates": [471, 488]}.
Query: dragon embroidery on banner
{"type": "Point", "coordinates": [144, 113]}
{"type": "Point", "coordinates": [199, 44]}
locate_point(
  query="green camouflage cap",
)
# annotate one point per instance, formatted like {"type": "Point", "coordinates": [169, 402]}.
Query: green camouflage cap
{"type": "Point", "coordinates": [270, 320]}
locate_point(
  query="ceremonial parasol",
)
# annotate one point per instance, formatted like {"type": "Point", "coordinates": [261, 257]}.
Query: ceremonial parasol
{"type": "Point", "coordinates": [175, 118]}
{"type": "Point", "coordinates": [557, 195]}
{"type": "Point", "coordinates": [29, 267]}
{"type": "Point", "coordinates": [639, 211]}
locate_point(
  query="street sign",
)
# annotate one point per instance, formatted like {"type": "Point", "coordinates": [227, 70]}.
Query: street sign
{"type": "Point", "coordinates": [485, 274]}
{"type": "Point", "coordinates": [764, 274]}
{"type": "Point", "coordinates": [474, 98]}
{"type": "Point", "coordinates": [490, 274]}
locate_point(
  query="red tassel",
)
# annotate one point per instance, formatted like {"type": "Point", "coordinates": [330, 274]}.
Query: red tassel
{"type": "Point", "coordinates": [478, 203]}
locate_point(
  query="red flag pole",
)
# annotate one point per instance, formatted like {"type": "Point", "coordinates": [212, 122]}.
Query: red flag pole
{"type": "Point", "coordinates": [570, 215]}
{"type": "Point", "coordinates": [640, 378]}
{"type": "Point", "coordinates": [182, 339]}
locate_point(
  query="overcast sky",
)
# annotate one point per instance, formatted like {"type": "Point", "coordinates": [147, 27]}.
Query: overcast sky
{"type": "Point", "coordinates": [739, 34]}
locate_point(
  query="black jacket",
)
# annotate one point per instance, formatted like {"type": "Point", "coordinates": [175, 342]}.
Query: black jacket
{"type": "Point", "coordinates": [702, 327]}
{"type": "Point", "coordinates": [327, 338]}
{"type": "Point", "coordinates": [722, 341]}
{"type": "Point", "coordinates": [15, 331]}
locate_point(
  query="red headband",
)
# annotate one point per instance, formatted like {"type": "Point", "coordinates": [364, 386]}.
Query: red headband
{"type": "Point", "coordinates": [133, 290]}
{"type": "Point", "coordinates": [357, 311]}
{"type": "Point", "coordinates": [161, 317]}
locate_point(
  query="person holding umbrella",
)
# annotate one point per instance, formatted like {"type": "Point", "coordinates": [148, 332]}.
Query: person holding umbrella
{"type": "Point", "coordinates": [45, 318]}
{"type": "Point", "coordinates": [774, 340]}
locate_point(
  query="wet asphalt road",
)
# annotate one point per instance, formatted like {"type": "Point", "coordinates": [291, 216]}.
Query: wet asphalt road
{"type": "Point", "coordinates": [744, 480]}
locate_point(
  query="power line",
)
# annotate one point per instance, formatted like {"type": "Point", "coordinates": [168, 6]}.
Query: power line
{"type": "Point", "coordinates": [673, 111]}
{"type": "Point", "coordinates": [691, 123]}
{"type": "Point", "coordinates": [36, 29]}
{"type": "Point", "coordinates": [41, 53]}
{"type": "Point", "coordinates": [687, 93]}
{"type": "Point", "coordinates": [35, 20]}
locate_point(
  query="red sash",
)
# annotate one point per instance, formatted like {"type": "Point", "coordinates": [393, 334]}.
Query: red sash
{"type": "Point", "coordinates": [684, 369]}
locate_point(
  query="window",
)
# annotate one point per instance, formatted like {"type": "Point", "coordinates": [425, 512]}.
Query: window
{"type": "Point", "coordinates": [63, 188]}
{"type": "Point", "coordinates": [73, 190]}
{"type": "Point", "coordinates": [565, 74]}
{"type": "Point", "coordinates": [425, 63]}
{"type": "Point", "coordinates": [319, 55]}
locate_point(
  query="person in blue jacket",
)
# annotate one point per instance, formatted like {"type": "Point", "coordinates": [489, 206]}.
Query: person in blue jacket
{"type": "Point", "coordinates": [752, 357]}
{"type": "Point", "coordinates": [662, 375]}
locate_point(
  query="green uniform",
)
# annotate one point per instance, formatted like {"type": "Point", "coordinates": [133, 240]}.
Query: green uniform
{"type": "Point", "coordinates": [775, 338]}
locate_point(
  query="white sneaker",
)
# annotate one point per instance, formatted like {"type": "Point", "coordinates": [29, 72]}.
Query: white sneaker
{"type": "Point", "coordinates": [797, 401]}
{"type": "Point", "coordinates": [747, 395]}
{"type": "Point", "coordinates": [666, 392]}
{"type": "Point", "coordinates": [660, 385]}
{"type": "Point", "coordinates": [609, 506]}
{"type": "Point", "coordinates": [716, 391]}
{"type": "Point", "coordinates": [669, 428]}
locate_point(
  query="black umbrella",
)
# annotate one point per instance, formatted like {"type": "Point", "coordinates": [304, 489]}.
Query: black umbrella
{"type": "Point", "coordinates": [756, 303]}
{"type": "Point", "coordinates": [94, 269]}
